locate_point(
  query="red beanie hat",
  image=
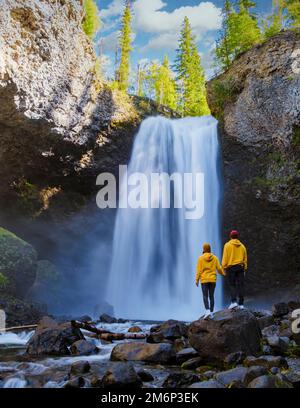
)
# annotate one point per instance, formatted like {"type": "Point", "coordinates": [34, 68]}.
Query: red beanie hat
{"type": "Point", "coordinates": [234, 234]}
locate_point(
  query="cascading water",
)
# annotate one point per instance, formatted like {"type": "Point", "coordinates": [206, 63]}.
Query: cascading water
{"type": "Point", "coordinates": [155, 250]}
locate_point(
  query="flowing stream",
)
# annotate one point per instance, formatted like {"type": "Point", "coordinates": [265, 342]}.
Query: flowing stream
{"type": "Point", "coordinates": [155, 250]}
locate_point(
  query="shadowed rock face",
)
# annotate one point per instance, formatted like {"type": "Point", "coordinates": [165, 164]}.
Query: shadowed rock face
{"type": "Point", "coordinates": [258, 103]}
{"type": "Point", "coordinates": [229, 332]}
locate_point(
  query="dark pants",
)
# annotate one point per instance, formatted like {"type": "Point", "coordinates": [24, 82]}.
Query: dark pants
{"type": "Point", "coordinates": [236, 277]}
{"type": "Point", "coordinates": [208, 290]}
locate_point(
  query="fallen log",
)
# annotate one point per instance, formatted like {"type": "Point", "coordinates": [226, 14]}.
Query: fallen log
{"type": "Point", "coordinates": [89, 327]}
{"type": "Point", "coordinates": [17, 328]}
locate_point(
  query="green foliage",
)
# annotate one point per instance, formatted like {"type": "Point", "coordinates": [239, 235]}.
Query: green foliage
{"type": "Point", "coordinates": [293, 352]}
{"type": "Point", "coordinates": [91, 21]}
{"type": "Point", "coordinates": [3, 281]}
{"type": "Point", "coordinates": [123, 72]}
{"type": "Point", "coordinates": [224, 92]}
{"type": "Point", "coordinates": [240, 32]}
{"type": "Point", "coordinates": [190, 75]}
{"type": "Point", "coordinates": [293, 11]}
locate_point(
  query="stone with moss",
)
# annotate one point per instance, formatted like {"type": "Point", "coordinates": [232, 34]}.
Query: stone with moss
{"type": "Point", "coordinates": [18, 262]}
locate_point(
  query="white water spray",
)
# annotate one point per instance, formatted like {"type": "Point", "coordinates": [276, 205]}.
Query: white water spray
{"type": "Point", "coordinates": [155, 251]}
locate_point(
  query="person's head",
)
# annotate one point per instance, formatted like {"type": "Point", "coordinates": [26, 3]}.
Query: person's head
{"type": "Point", "coordinates": [234, 234]}
{"type": "Point", "coordinates": [206, 249]}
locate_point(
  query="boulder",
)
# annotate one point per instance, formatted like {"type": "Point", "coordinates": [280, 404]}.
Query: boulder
{"type": "Point", "coordinates": [293, 377]}
{"type": "Point", "coordinates": [271, 331]}
{"type": "Point", "coordinates": [168, 331]}
{"type": "Point", "coordinates": [180, 380]}
{"type": "Point", "coordinates": [254, 372]}
{"type": "Point", "coordinates": [105, 318]}
{"type": "Point", "coordinates": [207, 384]}
{"type": "Point", "coordinates": [266, 361]}
{"type": "Point", "coordinates": [235, 358]}
{"type": "Point", "coordinates": [78, 382]}
{"type": "Point", "coordinates": [279, 345]}
{"type": "Point", "coordinates": [145, 376]}
{"type": "Point", "coordinates": [265, 321]}
{"type": "Point", "coordinates": [51, 338]}
{"type": "Point", "coordinates": [83, 348]}
{"type": "Point", "coordinates": [18, 264]}
{"type": "Point", "coordinates": [135, 329]}
{"type": "Point", "coordinates": [280, 309]}
{"type": "Point", "coordinates": [209, 374]}
{"type": "Point", "coordinates": [192, 364]}
{"type": "Point", "coordinates": [163, 353]}
{"type": "Point", "coordinates": [185, 355]}
{"type": "Point", "coordinates": [84, 319]}
{"type": "Point", "coordinates": [229, 332]}
{"type": "Point", "coordinates": [80, 367]}
{"type": "Point", "coordinates": [268, 381]}
{"type": "Point", "coordinates": [236, 375]}
{"type": "Point", "coordinates": [121, 375]}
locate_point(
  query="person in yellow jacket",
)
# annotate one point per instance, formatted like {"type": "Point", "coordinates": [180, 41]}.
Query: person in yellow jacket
{"type": "Point", "coordinates": [235, 263]}
{"type": "Point", "coordinates": [207, 267]}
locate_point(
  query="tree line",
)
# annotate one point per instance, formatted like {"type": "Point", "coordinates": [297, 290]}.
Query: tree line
{"type": "Point", "coordinates": [181, 86]}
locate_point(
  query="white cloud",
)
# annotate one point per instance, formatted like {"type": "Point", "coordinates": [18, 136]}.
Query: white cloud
{"type": "Point", "coordinates": [163, 26]}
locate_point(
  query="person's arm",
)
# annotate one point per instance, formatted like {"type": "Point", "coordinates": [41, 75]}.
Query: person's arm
{"type": "Point", "coordinates": [199, 271]}
{"type": "Point", "coordinates": [220, 269]}
{"type": "Point", "coordinates": [225, 258]}
{"type": "Point", "coordinates": [246, 259]}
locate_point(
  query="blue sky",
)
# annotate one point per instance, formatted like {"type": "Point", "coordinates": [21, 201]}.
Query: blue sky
{"type": "Point", "coordinates": [156, 25]}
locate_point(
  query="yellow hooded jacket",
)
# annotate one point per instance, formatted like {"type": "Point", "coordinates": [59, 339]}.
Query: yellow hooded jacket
{"type": "Point", "coordinates": [207, 266]}
{"type": "Point", "coordinates": [235, 253]}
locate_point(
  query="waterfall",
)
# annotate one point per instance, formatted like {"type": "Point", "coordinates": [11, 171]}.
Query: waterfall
{"type": "Point", "coordinates": [155, 250]}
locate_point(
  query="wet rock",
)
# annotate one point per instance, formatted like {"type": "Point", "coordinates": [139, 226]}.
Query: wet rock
{"type": "Point", "coordinates": [266, 361]}
{"type": "Point", "coordinates": [293, 377]}
{"type": "Point", "coordinates": [267, 350]}
{"type": "Point", "coordinates": [163, 353]}
{"type": "Point", "coordinates": [278, 344]}
{"type": "Point", "coordinates": [80, 367]}
{"type": "Point", "coordinates": [268, 381]}
{"type": "Point", "coordinates": [84, 319]}
{"type": "Point", "coordinates": [168, 331]}
{"type": "Point", "coordinates": [180, 344]}
{"type": "Point", "coordinates": [180, 380]}
{"type": "Point", "coordinates": [274, 370]}
{"type": "Point", "coordinates": [192, 364]}
{"type": "Point", "coordinates": [105, 318]}
{"type": "Point", "coordinates": [208, 384]}
{"type": "Point", "coordinates": [271, 331]}
{"type": "Point", "coordinates": [235, 358]}
{"type": "Point", "coordinates": [285, 329]}
{"type": "Point", "coordinates": [121, 375]}
{"type": "Point", "coordinates": [145, 376]}
{"type": "Point", "coordinates": [51, 338]}
{"type": "Point", "coordinates": [78, 382]}
{"type": "Point", "coordinates": [229, 332]}
{"type": "Point", "coordinates": [255, 372]}
{"type": "Point", "coordinates": [135, 329]}
{"type": "Point", "coordinates": [265, 321]}
{"type": "Point", "coordinates": [83, 348]}
{"type": "Point", "coordinates": [186, 354]}
{"type": "Point", "coordinates": [280, 309]}
{"type": "Point", "coordinates": [236, 375]}
{"type": "Point", "coordinates": [96, 382]}
{"type": "Point", "coordinates": [209, 374]}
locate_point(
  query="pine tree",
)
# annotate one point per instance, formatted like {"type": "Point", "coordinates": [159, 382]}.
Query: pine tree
{"type": "Point", "coordinates": [190, 75]}
{"type": "Point", "coordinates": [274, 23]}
{"type": "Point", "coordinates": [123, 71]}
{"type": "Point", "coordinates": [293, 9]}
{"type": "Point", "coordinates": [91, 21]}
{"type": "Point", "coordinates": [224, 48]}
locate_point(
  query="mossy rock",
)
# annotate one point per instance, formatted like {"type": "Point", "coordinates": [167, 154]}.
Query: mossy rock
{"type": "Point", "coordinates": [18, 262]}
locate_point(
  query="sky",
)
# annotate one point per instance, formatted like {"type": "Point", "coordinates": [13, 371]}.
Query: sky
{"type": "Point", "coordinates": [156, 28]}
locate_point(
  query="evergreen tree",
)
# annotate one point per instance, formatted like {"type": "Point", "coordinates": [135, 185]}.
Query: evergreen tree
{"type": "Point", "coordinates": [274, 23]}
{"type": "Point", "coordinates": [164, 84]}
{"type": "Point", "coordinates": [190, 75]}
{"type": "Point", "coordinates": [91, 20]}
{"type": "Point", "coordinates": [123, 71]}
{"type": "Point", "coordinates": [240, 32]}
{"type": "Point", "coordinates": [293, 10]}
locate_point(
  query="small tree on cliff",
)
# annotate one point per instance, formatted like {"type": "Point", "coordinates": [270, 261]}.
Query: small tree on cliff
{"type": "Point", "coordinates": [275, 22]}
{"type": "Point", "coordinates": [91, 20]}
{"type": "Point", "coordinates": [293, 9]}
{"type": "Point", "coordinates": [123, 71]}
{"type": "Point", "coordinates": [224, 48]}
{"type": "Point", "coordinates": [190, 75]}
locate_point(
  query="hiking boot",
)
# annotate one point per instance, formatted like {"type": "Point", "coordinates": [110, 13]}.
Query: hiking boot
{"type": "Point", "coordinates": [207, 314]}
{"type": "Point", "coordinates": [241, 307]}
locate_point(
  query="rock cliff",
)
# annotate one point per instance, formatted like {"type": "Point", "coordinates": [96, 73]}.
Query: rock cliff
{"type": "Point", "coordinates": [258, 103]}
